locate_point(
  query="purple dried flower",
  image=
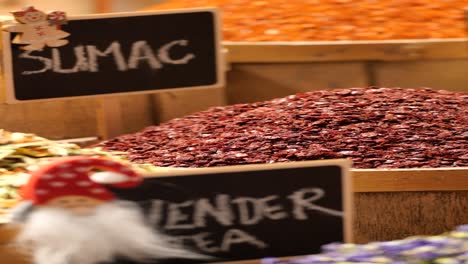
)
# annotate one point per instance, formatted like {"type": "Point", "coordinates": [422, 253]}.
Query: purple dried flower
{"type": "Point", "coordinates": [462, 228]}
{"type": "Point", "coordinates": [394, 248]}
{"type": "Point", "coordinates": [269, 261]}
{"type": "Point", "coordinates": [331, 247]}
{"type": "Point", "coordinates": [361, 256]}
{"type": "Point", "coordinates": [314, 259]}
{"type": "Point", "coordinates": [427, 255]}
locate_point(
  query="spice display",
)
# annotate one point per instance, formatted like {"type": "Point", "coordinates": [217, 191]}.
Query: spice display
{"type": "Point", "coordinates": [374, 127]}
{"type": "Point", "coordinates": [21, 153]}
{"type": "Point", "coordinates": [449, 248]}
{"type": "Point", "coordinates": [308, 20]}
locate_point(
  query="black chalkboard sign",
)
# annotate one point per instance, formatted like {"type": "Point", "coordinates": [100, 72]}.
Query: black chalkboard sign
{"type": "Point", "coordinates": [119, 53]}
{"type": "Point", "coordinates": [250, 212]}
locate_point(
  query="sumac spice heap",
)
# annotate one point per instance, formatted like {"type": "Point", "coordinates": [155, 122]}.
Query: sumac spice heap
{"type": "Point", "coordinates": [375, 127]}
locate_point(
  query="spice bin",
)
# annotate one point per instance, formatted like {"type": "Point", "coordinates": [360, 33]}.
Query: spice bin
{"type": "Point", "coordinates": [380, 129]}
{"type": "Point", "coordinates": [407, 53]}
{"type": "Point", "coordinates": [380, 214]}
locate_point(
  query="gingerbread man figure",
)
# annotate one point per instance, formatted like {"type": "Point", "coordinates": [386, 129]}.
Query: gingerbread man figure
{"type": "Point", "coordinates": [38, 29]}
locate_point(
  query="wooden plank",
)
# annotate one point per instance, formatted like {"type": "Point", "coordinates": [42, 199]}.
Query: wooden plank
{"type": "Point", "coordinates": [437, 74]}
{"type": "Point", "coordinates": [109, 117]}
{"type": "Point", "coordinates": [319, 51]}
{"type": "Point", "coordinates": [9, 255]}
{"type": "Point", "coordinates": [7, 234]}
{"type": "Point", "coordinates": [253, 82]}
{"type": "Point", "coordinates": [402, 180]}
{"type": "Point", "coordinates": [385, 180]}
{"type": "Point", "coordinates": [169, 105]}
{"type": "Point", "coordinates": [53, 120]}
{"type": "Point", "coordinates": [396, 215]}
{"type": "Point", "coordinates": [172, 104]}
{"type": "Point", "coordinates": [136, 112]}
{"type": "Point", "coordinates": [104, 6]}
{"type": "Point", "coordinates": [73, 118]}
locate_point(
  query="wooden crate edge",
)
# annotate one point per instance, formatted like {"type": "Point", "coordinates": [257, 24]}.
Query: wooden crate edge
{"type": "Point", "coordinates": [404, 180]}
{"type": "Point", "coordinates": [323, 51]}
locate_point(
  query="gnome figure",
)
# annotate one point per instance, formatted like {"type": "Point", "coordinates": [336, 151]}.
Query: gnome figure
{"type": "Point", "coordinates": [38, 29]}
{"type": "Point", "coordinates": [67, 217]}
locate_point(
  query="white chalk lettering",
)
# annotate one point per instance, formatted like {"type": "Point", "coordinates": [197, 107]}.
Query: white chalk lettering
{"type": "Point", "coordinates": [304, 198]}
{"type": "Point", "coordinates": [142, 51]}
{"type": "Point", "coordinates": [222, 213]}
{"type": "Point", "coordinates": [174, 216]}
{"type": "Point", "coordinates": [274, 212]}
{"type": "Point", "coordinates": [165, 57]}
{"type": "Point", "coordinates": [81, 61]}
{"type": "Point", "coordinates": [259, 209]}
{"type": "Point", "coordinates": [114, 49]}
{"type": "Point", "coordinates": [226, 211]}
{"type": "Point", "coordinates": [47, 63]}
{"type": "Point", "coordinates": [206, 242]}
{"type": "Point", "coordinates": [87, 57]}
{"type": "Point", "coordinates": [236, 236]}
{"type": "Point", "coordinates": [246, 205]}
{"type": "Point", "coordinates": [203, 242]}
{"type": "Point", "coordinates": [155, 212]}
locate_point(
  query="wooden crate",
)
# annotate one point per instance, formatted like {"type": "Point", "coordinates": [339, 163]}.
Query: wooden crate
{"type": "Point", "coordinates": [263, 71]}
{"type": "Point", "coordinates": [397, 203]}
{"type": "Point", "coordinates": [72, 118]}
{"type": "Point", "coordinates": [169, 105]}
{"type": "Point", "coordinates": [440, 74]}
{"type": "Point", "coordinates": [326, 51]}
{"type": "Point", "coordinates": [255, 82]}
{"type": "Point", "coordinates": [389, 204]}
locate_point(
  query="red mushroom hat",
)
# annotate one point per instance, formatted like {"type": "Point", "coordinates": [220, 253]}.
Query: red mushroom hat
{"type": "Point", "coordinates": [71, 176]}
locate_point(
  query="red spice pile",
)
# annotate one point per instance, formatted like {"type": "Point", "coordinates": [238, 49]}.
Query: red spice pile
{"type": "Point", "coordinates": [375, 127]}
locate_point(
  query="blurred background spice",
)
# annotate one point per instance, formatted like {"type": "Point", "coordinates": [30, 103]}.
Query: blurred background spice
{"type": "Point", "coordinates": [312, 20]}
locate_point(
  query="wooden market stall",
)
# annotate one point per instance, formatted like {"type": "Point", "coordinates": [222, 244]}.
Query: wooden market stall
{"type": "Point", "coordinates": [389, 204]}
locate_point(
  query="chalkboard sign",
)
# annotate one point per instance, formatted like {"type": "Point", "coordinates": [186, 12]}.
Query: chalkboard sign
{"type": "Point", "coordinates": [138, 52]}
{"type": "Point", "coordinates": [250, 212]}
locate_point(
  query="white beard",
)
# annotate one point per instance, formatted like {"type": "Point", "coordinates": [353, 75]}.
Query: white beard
{"type": "Point", "coordinates": [56, 236]}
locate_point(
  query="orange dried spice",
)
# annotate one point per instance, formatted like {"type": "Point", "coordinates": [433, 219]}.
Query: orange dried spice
{"type": "Point", "coordinates": [309, 20]}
